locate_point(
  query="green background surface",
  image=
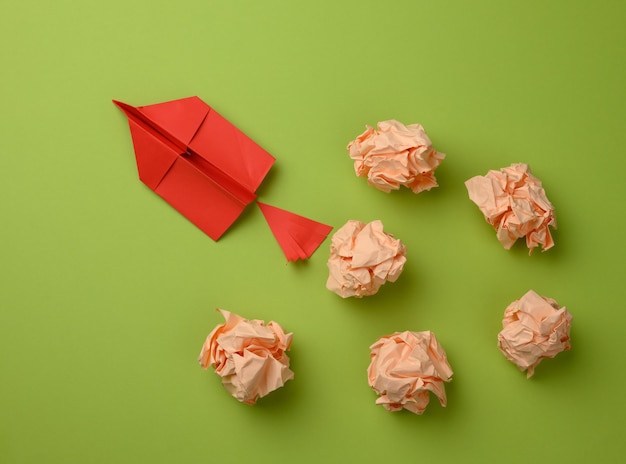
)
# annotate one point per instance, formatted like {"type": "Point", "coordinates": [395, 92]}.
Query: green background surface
{"type": "Point", "coordinates": [107, 293]}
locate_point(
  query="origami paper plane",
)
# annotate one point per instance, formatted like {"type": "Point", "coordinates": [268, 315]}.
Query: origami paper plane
{"type": "Point", "coordinates": [209, 170]}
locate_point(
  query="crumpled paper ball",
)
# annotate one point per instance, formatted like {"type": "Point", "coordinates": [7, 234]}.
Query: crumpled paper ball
{"type": "Point", "coordinates": [362, 258]}
{"type": "Point", "coordinates": [248, 355]}
{"type": "Point", "coordinates": [534, 327]}
{"type": "Point", "coordinates": [515, 204]}
{"type": "Point", "coordinates": [395, 155]}
{"type": "Point", "coordinates": [405, 367]}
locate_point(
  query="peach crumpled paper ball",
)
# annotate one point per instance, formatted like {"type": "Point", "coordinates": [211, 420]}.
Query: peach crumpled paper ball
{"type": "Point", "coordinates": [405, 367]}
{"type": "Point", "coordinates": [362, 258]}
{"type": "Point", "coordinates": [395, 155]}
{"type": "Point", "coordinates": [515, 204]}
{"type": "Point", "coordinates": [534, 328]}
{"type": "Point", "coordinates": [248, 355]}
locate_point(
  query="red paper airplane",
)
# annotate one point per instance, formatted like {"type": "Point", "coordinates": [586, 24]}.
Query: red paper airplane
{"type": "Point", "coordinates": [209, 171]}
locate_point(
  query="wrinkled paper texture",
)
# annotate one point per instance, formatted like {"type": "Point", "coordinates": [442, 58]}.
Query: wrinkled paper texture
{"type": "Point", "coordinates": [362, 258]}
{"type": "Point", "coordinates": [248, 355]}
{"type": "Point", "coordinates": [395, 155]}
{"type": "Point", "coordinates": [534, 328]}
{"type": "Point", "coordinates": [405, 367]}
{"type": "Point", "coordinates": [515, 204]}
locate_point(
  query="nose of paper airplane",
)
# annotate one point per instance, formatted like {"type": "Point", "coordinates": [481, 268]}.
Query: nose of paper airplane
{"type": "Point", "coordinates": [123, 106]}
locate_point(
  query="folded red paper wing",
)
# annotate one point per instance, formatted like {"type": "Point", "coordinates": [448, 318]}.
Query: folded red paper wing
{"type": "Point", "coordinates": [197, 161]}
{"type": "Point", "coordinates": [298, 236]}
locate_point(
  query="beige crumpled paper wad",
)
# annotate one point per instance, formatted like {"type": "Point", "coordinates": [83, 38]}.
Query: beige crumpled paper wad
{"type": "Point", "coordinates": [395, 155]}
{"type": "Point", "coordinates": [248, 355]}
{"type": "Point", "coordinates": [362, 258]}
{"type": "Point", "coordinates": [515, 204]}
{"type": "Point", "coordinates": [534, 328]}
{"type": "Point", "coordinates": [405, 367]}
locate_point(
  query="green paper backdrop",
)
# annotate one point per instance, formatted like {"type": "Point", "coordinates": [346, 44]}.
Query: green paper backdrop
{"type": "Point", "coordinates": [107, 293]}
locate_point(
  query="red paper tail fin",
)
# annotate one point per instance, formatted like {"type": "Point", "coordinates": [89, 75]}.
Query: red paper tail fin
{"type": "Point", "coordinates": [298, 236]}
